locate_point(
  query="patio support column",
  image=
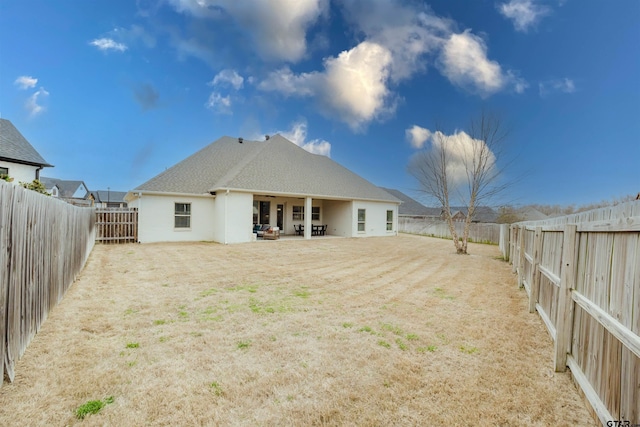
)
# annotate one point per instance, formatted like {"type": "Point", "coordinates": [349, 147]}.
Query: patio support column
{"type": "Point", "coordinates": [307, 218]}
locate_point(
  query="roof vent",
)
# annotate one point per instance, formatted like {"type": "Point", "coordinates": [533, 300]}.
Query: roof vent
{"type": "Point", "coordinates": [266, 137]}
{"type": "Point", "coordinates": [240, 140]}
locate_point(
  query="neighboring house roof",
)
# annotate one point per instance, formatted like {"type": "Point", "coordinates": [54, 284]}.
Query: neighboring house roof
{"type": "Point", "coordinates": [411, 207]}
{"type": "Point", "coordinates": [104, 196]}
{"type": "Point", "coordinates": [66, 188]}
{"type": "Point", "coordinates": [274, 166]}
{"type": "Point", "coordinates": [530, 214]}
{"type": "Point", "coordinates": [481, 214]}
{"type": "Point", "coordinates": [15, 148]}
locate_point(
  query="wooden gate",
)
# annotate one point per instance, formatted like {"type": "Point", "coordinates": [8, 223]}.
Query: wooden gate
{"type": "Point", "coordinates": [116, 225]}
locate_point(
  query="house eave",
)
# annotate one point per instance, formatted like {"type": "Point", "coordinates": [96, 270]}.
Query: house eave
{"type": "Point", "coordinates": [300, 195]}
{"type": "Point", "coordinates": [26, 162]}
{"type": "Point", "coordinates": [133, 194]}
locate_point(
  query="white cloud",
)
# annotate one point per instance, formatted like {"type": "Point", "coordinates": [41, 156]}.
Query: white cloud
{"type": "Point", "coordinates": [277, 27]}
{"type": "Point", "coordinates": [465, 63]}
{"type": "Point", "coordinates": [26, 82]}
{"type": "Point", "coordinates": [525, 14]}
{"type": "Point", "coordinates": [417, 136]}
{"type": "Point", "coordinates": [564, 85]}
{"type": "Point", "coordinates": [133, 35]}
{"type": "Point", "coordinates": [298, 135]}
{"type": "Point", "coordinates": [106, 44]}
{"type": "Point", "coordinates": [218, 103]}
{"type": "Point", "coordinates": [228, 77]}
{"type": "Point", "coordinates": [356, 86]}
{"type": "Point", "coordinates": [409, 33]}
{"type": "Point", "coordinates": [32, 102]}
{"type": "Point", "coordinates": [352, 87]}
{"type": "Point", "coordinates": [290, 84]}
{"type": "Point", "coordinates": [519, 85]}
{"type": "Point", "coordinates": [460, 150]}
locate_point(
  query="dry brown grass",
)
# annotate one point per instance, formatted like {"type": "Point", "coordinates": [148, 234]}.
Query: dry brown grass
{"type": "Point", "coordinates": [377, 331]}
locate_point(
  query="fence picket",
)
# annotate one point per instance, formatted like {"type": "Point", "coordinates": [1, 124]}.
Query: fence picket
{"type": "Point", "coordinates": [116, 225]}
{"type": "Point", "coordinates": [44, 243]}
{"type": "Point", "coordinates": [593, 315]}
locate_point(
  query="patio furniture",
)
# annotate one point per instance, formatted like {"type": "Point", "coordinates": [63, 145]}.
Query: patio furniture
{"type": "Point", "coordinates": [272, 233]}
{"type": "Point", "coordinates": [319, 230]}
{"type": "Point", "coordinates": [299, 229]}
{"type": "Point", "coordinates": [261, 229]}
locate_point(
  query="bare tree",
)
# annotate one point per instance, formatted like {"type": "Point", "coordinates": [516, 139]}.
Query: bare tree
{"type": "Point", "coordinates": [462, 168]}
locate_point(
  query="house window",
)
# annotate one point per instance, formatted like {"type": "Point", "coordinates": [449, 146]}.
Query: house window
{"type": "Point", "coordinates": [389, 220]}
{"type": "Point", "coordinates": [315, 213]}
{"type": "Point", "coordinates": [4, 171]}
{"type": "Point", "coordinates": [361, 219]}
{"type": "Point", "coordinates": [182, 215]}
{"type": "Point", "coordinates": [298, 213]}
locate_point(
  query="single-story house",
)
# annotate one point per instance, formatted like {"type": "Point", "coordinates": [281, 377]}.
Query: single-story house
{"type": "Point", "coordinates": [109, 199]}
{"type": "Point", "coordinates": [221, 192]}
{"type": "Point", "coordinates": [481, 214]}
{"type": "Point", "coordinates": [411, 208]}
{"type": "Point", "coordinates": [18, 159]}
{"type": "Point", "coordinates": [71, 191]}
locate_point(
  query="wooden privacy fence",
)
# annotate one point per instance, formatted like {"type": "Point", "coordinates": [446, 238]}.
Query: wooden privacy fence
{"type": "Point", "coordinates": [582, 275]}
{"type": "Point", "coordinates": [479, 232]}
{"type": "Point", "coordinates": [44, 243]}
{"type": "Point", "coordinates": [117, 225]}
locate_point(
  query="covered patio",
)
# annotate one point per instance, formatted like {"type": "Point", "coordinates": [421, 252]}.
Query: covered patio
{"type": "Point", "coordinates": [302, 217]}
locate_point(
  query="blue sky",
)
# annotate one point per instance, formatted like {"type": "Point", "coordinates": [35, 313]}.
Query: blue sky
{"type": "Point", "coordinates": [114, 92]}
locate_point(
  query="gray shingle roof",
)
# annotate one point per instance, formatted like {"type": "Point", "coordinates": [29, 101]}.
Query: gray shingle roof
{"type": "Point", "coordinates": [481, 214]}
{"type": "Point", "coordinates": [275, 166]}
{"type": "Point", "coordinates": [411, 207]}
{"type": "Point", "coordinates": [14, 147]}
{"type": "Point", "coordinates": [530, 214]}
{"type": "Point", "coordinates": [109, 196]}
{"type": "Point", "coordinates": [66, 187]}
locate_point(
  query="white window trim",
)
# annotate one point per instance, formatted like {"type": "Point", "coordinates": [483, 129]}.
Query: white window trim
{"type": "Point", "coordinates": [294, 213]}
{"type": "Point", "coordinates": [175, 215]}
{"type": "Point", "coordinates": [364, 222]}
{"type": "Point", "coordinates": [319, 213]}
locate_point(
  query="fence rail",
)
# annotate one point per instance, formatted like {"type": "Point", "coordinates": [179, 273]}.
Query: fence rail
{"type": "Point", "coordinates": [478, 232]}
{"type": "Point", "coordinates": [44, 243]}
{"type": "Point", "coordinates": [582, 275]}
{"type": "Point", "coordinates": [116, 225]}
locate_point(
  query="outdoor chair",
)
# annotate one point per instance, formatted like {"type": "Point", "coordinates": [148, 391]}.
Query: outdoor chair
{"type": "Point", "coordinates": [299, 229]}
{"type": "Point", "coordinates": [260, 232]}
{"type": "Point", "coordinates": [271, 233]}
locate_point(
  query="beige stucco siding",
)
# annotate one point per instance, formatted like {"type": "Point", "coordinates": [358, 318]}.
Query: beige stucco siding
{"type": "Point", "coordinates": [157, 215]}
{"type": "Point", "coordinates": [234, 222]}
{"type": "Point", "coordinates": [19, 172]}
{"type": "Point", "coordinates": [337, 216]}
{"type": "Point", "coordinates": [375, 219]}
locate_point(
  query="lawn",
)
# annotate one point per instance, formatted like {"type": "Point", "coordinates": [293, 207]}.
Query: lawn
{"type": "Point", "coordinates": [367, 332]}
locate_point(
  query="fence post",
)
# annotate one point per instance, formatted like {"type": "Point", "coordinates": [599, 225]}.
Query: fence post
{"type": "Point", "coordinates": [513, 241]}
{"type": "Point", "coordinates": [504, 241]}
{"type": "Point", "coordinates": [565, 304]}
{"type": "Point", "coordinates": [535, 281]}
{"type": "Point", "coordinates": [521, 233]}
